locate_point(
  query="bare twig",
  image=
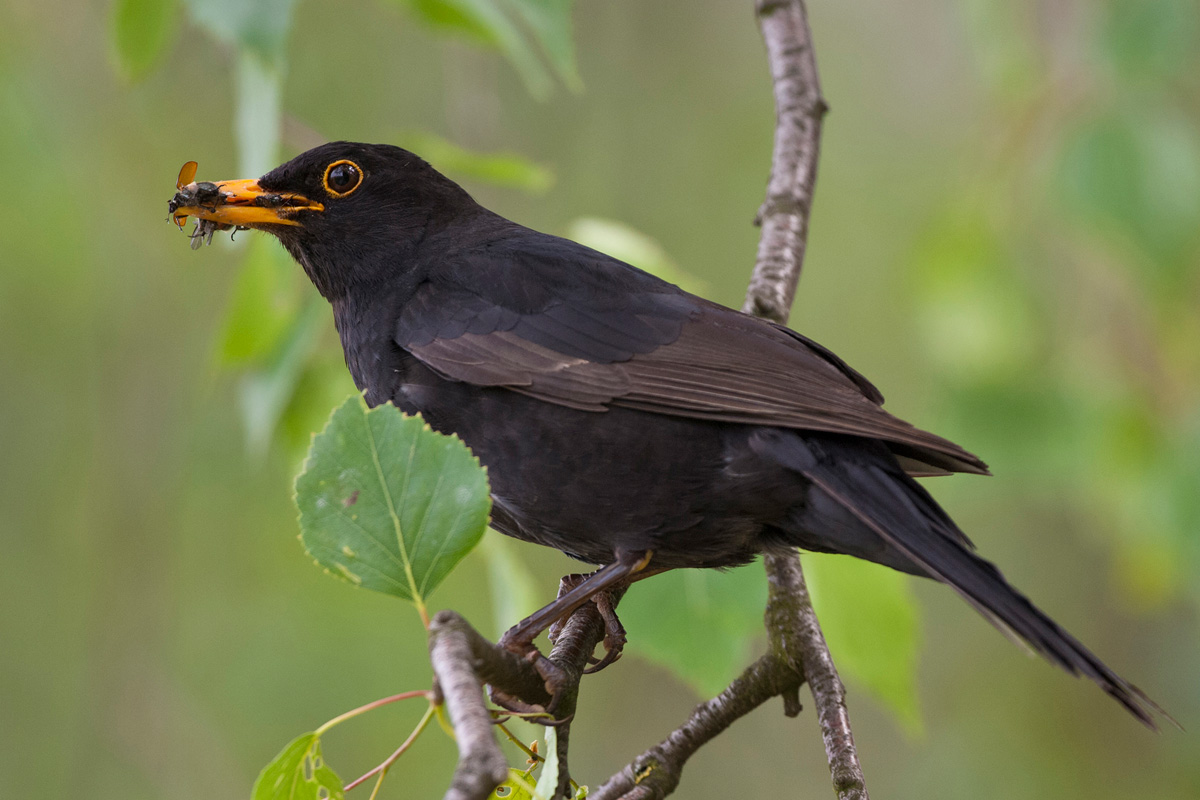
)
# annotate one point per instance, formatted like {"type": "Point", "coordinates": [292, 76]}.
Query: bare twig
{"type": "Point", "coordinates": [655, 773]}
{"type": "Point", "coordinates": [481, 764]}
{"type": "Point", "coordinates": [797, 646]}
{"type": "Point", "coordinates": [793, 628]}
{"type": "Point", "coordinates": [799, 109]}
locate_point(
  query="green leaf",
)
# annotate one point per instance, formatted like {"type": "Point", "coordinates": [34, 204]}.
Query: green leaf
{"type": "Point", "coordinates": [547, 785]}
{"type": "Point", "coordinates": [515, 788]}
{"type": "Point", "coordinates": [265, 393]}
{"type": "Point", "coordinates": [869, 618]}
{"type": "Point", "coordinates": [500, 169]}
{"type": "Point", "coordinates": [266, 298]}
{"type": "Point", "coordinates": [258, 112]}
{"type": "Point", "coordinates": [260, 26]}
{"type": "Point", "coordinates": [141, 32]}
{"type": "Point", "coordinates": [550, 21]}
{"type": "Point", "coordinates": [634, 247]}
{"type": "Point", "coordinates": [299, 773]}
{"type": "Point", "coordinates": [513, 588]}
{"type": "Point", "coordinates": [700, 623]}
{"type": "Point", "coordinates": [1151, 39]}
{"type": "Point", "coordinates": [387, 503]}
{"type": "Point", "coordinates": [482, 22]}
{"type": "Point", "coordinates": [1138, 174]}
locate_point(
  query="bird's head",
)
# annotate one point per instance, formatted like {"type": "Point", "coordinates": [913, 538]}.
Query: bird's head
{"type": "Point", "coordinates": [350, 213]}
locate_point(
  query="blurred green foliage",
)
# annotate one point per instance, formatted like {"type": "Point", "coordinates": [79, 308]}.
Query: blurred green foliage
{"type": "Point", "coordinates": [1004, 239]}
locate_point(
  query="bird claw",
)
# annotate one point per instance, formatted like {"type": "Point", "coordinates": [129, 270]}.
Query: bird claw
{"type": "Point", "coordinates": [614, 631]}
{"type": "Point", "coordinates": [614, 634]}
{"type": "Point", "coordinates": [554, 679]}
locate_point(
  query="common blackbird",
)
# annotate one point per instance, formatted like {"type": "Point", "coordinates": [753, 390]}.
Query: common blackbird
{"type": "Point", "coordinates": [623, 421]}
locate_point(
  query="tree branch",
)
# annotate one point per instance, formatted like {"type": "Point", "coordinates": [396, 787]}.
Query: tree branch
{"type": "Point", "coordinates": [655, 773]}
{"type": "Point", "coordinates": [799, 109]}
{"type": "Point", "coordinates": [797, 646]}
{"type": "Point", "coordinates": [457, 667]}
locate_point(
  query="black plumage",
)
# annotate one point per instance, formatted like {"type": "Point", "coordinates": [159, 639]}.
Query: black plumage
{"type": "Point", "coordinates": [617, 414]}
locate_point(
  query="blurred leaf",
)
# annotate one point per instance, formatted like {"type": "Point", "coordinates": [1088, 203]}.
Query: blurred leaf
{"type": "Point", "coordinates": [266, 392]}
{"type": "Point", "coordinates": [266, 298]}
{"type": "Point", "coordinates": [141, 33]}
{"type": "Point", "coordinates": [259, 26]}
{"type": "Point", "coordinates": [869, 618]}
{"type": "Point", "coordinates": [299, 773]}
{"type": "Point", "coordinates": [697, 622]}
{"type": "Point", "coordinates": [633, 247]}
{"type": "Point", "coordinates": [324, 384]}
{"type": "Point", "coordinates": [483, 22]}
{"type": "Point", "coordinates": [1137, 174]}
{"type": "Point", "coordinates": [975, 313]}
{"type": "Point", "coordinates": [387, 503]}
{"type": "Point", "coordinates": [500, 169]}
{"type": "Point", "coordinates": [1003, 44]}
{"type": "Point", "coordinates": [547, 785]}
{"type": "Point", "coordinates": [1151, 38]}
{"type": "Point", "coordinates": [513, 588]}
{"type": "Point", "coordinates": [550, 21]}
{"type": "Point", "coordinates": [258, 113]}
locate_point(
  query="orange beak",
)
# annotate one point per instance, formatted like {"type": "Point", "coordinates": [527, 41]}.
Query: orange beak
{"type": "Point", "coordinates": [240, 203]}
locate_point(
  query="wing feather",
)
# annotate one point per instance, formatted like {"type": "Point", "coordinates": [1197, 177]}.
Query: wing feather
{"type": "Point", "coordinates": [671, 354]}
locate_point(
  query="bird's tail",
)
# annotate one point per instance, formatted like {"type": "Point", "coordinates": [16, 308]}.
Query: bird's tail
{"type": "Point", "coordinates": [878, 512]}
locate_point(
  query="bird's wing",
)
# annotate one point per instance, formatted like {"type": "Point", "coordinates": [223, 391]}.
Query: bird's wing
{"type": "Point", "coordinates": [665, 352]}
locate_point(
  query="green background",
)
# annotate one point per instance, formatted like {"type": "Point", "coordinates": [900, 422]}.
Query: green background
{"type": "Point", "coordinates": [1005, 239]}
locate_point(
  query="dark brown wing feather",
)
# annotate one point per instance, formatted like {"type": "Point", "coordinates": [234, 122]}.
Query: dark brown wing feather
{"type": "Point", "coordinates": [723, 366]}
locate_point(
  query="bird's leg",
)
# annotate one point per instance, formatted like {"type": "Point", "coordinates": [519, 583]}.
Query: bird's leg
{"type": "Point", "coordinates": [565, 585]}
{"type": "Point", "coordinates": [519, 639]}
{"type": "Point", "coordinates": [614, 631]}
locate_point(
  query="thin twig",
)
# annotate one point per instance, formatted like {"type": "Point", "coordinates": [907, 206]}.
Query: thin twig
{"type": "Point", "coordinates": [797, 646]}
{"type": "Point", "coordinates": [656, 773]}
{"type": "Point", "coordinates": [382, 768]}
{"type": "Point", "coordinates": [796, 634]}
{"type": "Point", "coordinates": [481, 764]}
{"type": "Point", "coordinates": [800, 108]}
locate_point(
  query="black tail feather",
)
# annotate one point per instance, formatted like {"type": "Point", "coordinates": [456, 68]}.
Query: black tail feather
{"type": "Point", "coordinates": [896, 509]}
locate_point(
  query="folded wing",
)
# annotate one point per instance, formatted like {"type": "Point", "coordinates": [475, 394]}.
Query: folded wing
{"type": "Point", "coordinates": [656, 349]}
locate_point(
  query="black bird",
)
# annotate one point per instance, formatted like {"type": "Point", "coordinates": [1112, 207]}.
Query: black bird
{"type": "Point", "coordinates": [623, 421]}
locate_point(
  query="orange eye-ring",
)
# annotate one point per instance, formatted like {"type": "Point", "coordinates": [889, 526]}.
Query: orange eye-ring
{"type": "Point", "coordinates": [342, 178]}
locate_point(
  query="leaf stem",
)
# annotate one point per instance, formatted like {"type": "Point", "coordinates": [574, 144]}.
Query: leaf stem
{"type": "Point", "coordinates": [340, 718]}
{"type": "Point", "coordinates": [422, 610]}
{"type": "Point", "coordinates": [382, 769]}
{"type": "Point", "coordinates": [521, 745]}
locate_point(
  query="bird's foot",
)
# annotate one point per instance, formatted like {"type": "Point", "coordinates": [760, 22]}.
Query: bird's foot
{"type": "Point", "coordinates": [554, 679]}
{"type": "Point", "coordinates": [574, 591]}
{"type": "Point", "coordinates": [614, 633]}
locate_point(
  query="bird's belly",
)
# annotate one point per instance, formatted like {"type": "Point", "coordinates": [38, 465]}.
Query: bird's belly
{"type": "Point", "coordinates": [590, 483]}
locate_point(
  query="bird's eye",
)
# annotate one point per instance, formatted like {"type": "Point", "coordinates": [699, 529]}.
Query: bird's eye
{"type": "Point", "coordinates": [342, 178]}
